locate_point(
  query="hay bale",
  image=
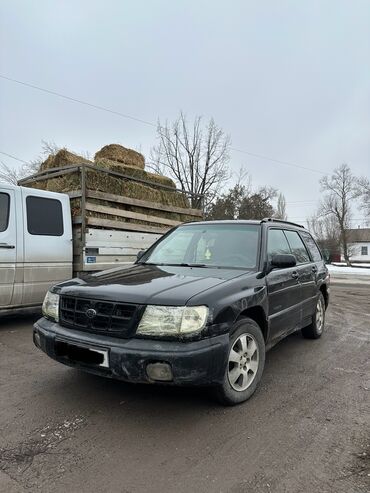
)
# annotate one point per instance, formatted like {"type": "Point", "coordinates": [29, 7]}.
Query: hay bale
{"type": "Point", "coordinates": [134, 172]}
{"type": "Point", "coordinates": [120, 154]}
{"type": "Point", "coordinates": [97, 180]}
{"type": "Point", "coordinates": [61, 159]}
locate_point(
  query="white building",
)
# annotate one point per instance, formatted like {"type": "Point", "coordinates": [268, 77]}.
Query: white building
{"type": "Point", "coordinates": [359, 244]}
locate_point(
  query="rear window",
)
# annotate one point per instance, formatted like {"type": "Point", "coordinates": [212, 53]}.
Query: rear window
{"type": "Point", "coordinates": [312, 247]}
{"type": "Point", "coordinates": [4, 211]}
{"type": "Point", "coordinates": [44, 216]}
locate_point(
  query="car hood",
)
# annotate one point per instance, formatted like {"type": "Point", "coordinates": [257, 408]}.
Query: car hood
{"type": "Point", "coordinates": [148, 284]}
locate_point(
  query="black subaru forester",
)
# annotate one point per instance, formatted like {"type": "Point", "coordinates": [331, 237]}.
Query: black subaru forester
{"type": "Point", "coordinates": [199, 307]}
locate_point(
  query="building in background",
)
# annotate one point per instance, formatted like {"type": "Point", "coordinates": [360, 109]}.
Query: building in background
{"type": "Point", "coordinates": [359, 244]}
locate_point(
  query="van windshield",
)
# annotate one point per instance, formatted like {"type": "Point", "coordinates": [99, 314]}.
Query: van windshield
{"type": "Point", "coordinates": [208, 245]}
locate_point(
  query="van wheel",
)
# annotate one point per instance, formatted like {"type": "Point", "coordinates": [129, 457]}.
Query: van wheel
{"type": "Point", "coordinates": [315, 329]}
{"type": "Point", "coordinates": [245, 363]}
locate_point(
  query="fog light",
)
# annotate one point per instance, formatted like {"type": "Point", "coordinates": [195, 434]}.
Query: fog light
{"type": "Point", "coordinates": [161, 372]}
{"type": "Point", "coordinates": [37, 339]}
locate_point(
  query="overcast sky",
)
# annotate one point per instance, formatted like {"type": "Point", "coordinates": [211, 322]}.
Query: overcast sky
{"type": "Point", "coordinates": [286, 79]}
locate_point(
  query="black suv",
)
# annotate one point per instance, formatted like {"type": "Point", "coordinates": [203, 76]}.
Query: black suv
{"type": "Point", "coordinates": [200, 307]}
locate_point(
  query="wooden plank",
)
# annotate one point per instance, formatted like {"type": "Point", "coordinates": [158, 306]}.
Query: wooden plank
{"type": "Point", "coordinates": [43, 176]}
{"type": "Point", "coordinates": [130, 215]}
{"type": "Point", "coordinates": [142, 203]}
{"type": "Point", "coordinates": [96, 238]}
{"type": "Point", "coordinates": [76, 220]}
{"type": "Point", "coordinates": [107, 223]}
{"type": "Point", "coordinates": [74, 195]}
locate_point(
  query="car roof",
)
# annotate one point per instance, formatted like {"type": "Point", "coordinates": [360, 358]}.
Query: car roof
{"type": "Point", "coordinates": [268, 221]}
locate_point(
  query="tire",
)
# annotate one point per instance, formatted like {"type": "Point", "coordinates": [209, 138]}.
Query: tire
{"type": "Point", "coordinates": [247, 348]}
{"type": "Point", "coordinates": [316, 328]}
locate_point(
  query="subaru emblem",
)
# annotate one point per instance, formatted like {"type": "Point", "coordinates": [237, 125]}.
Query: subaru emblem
{"type": "Point", "coordinates": [90, 313]}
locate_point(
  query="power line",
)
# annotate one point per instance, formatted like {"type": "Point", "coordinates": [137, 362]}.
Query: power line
{"type": "Point", "coordinates": [287, 163]}
{"type": "Point", "coordinates": [14, 157]}
{"type": "Point", "coordinates": [145, 122]}
{"type": "Point", "coordinates": [80, 101]}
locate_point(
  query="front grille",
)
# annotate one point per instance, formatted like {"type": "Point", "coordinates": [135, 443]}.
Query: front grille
{"type": "Point", "coordinates": [118, 319]}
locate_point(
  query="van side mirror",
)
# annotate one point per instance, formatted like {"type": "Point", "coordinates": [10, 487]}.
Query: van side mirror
{"type": "Point", "coordinates": [139, 254]}
{"type": "Point", "coordinates": [283, 261]}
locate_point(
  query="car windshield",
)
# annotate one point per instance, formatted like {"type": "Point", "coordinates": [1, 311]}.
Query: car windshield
{"type": "Point", "coordinates": [208, 245]}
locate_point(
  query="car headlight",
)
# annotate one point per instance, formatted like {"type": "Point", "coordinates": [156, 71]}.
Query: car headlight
{"type": "Point", "coordinates": [50, 307]}
{"type": "Point", "coordinates": [172, 320]}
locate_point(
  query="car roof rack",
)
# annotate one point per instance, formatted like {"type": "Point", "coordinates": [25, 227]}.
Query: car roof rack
{"type": "Point", "coordinates": [274, 220]}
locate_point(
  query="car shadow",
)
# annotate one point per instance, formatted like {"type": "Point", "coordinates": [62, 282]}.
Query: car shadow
{"type": "Point", "coordinates": [106, 393]}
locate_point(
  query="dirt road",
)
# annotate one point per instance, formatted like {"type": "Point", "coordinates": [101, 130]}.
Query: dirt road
{"type": "Point", "coordinates": [307, 429]}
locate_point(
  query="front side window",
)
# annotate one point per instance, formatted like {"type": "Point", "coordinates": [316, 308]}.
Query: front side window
{"type": "Point", "coordinates": [44, 216]}
{"type": "Point", "coordinates": [277, 244]}
{"type": "Point", "coordinates": [208, 245]}
{"type": "Point", "coordinates": [297, 247]}
{"type": "Point", "coordinates": [312, 247]}
{"type": "Point", "coordinates": [4, 211]}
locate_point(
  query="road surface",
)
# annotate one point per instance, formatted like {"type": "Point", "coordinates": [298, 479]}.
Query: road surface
{"type": "Point", "coordinates": [307, 429]}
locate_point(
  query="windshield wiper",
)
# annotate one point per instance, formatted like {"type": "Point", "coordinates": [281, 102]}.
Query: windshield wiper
{"type": "Point", "coordinates": [185, 264]}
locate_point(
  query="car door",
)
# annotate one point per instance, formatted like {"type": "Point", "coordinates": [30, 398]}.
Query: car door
{"type": "Point", "coordinates": [283, 287]}
{"type": "Point", "coordinates": [307, 271]}
{"type": "Point", "coordinates": [7, 246]}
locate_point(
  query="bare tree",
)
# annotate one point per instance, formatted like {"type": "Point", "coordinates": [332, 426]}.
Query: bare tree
{"type": "Point", "coordinates": [341, 189]}
{"type": "Point", "coordinates": [364, 189]}
{"type": "Point", "coordinates": [196, 156]}
{"type": "Point", "coordinates": [281, 208]}
{"type": "Point", "coordinates": [326, 232]}
{"type": "Point", "coordinates": [13, 175]}
{"type": "Point", "coordinates": [8, 174]}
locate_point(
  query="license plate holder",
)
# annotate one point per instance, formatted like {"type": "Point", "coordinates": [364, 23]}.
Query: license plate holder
{"type": "Point", "coordinates": [79, 353]}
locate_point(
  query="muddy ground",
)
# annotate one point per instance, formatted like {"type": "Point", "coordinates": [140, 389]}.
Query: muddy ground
{"type": "Point", "coordinates": [307, 429]}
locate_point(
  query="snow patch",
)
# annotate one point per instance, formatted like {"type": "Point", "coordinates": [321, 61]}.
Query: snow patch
{"type": "Point", "coordinates": [347, 271]}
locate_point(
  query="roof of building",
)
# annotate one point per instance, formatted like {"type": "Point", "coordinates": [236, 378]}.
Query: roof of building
{"type": "Point", "coordinates": [359, 235]}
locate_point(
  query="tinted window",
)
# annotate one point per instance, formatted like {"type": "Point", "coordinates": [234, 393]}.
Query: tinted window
{"type": "Point", "coordinates": [4, 211]}
{"type": "Point", "coordinates": [277, 243]}
{"type": "Point", "coordinates": [297, 247]}
{"type": "Point", "coordinates": [312, 247]}
{"type": "Point", "coordinates": [213, 245]}
{"type": "Point", "coordinates": [44, 216]}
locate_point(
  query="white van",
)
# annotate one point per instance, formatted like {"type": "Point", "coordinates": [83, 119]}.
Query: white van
{"type": "Point", "coordinates": [35, 245]}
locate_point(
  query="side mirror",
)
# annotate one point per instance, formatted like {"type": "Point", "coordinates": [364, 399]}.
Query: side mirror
{"type": "Point", "coordinates": [283, 261]}
{"type": "Point", "coordinates": [139, 254]}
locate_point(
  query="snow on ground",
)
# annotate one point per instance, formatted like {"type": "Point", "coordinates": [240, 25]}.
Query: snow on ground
{"type": "Point", "coordinates": [354, 264]}
{"type": "Point", "coordinates": [347, 271]}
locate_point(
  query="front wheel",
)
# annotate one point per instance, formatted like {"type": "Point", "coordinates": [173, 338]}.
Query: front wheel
{"type": "Point", "coordinates": [315, 329]}
{"type": "Point", "coordinates": [246, 360]}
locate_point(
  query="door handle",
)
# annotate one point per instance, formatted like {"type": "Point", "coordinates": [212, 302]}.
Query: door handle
{"type": "Point", "coordinates": [5, 245]}
{"type": "Point", "coordinates": [295, 274]}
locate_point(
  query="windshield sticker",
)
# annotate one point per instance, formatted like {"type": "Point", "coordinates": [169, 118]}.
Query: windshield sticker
{"type": "Point", "coordinates": [208, 254]}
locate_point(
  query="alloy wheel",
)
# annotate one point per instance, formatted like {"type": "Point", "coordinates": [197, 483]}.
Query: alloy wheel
{"type": "Point", "coordinates": [243, 362]}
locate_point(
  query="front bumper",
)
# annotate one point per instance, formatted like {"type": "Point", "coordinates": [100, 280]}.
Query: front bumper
{"type": "Point", "coordinates": [200, 362]}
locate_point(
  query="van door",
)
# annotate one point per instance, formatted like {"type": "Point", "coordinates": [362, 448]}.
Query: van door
{"type": "Point", "coordinates": [8, 250]}
{"type": "Point", "coordinates": [47, 242]}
